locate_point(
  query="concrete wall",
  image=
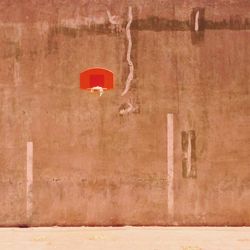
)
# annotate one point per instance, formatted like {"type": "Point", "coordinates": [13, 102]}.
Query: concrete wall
{"type": "Point", "coordinates": [93, 165]}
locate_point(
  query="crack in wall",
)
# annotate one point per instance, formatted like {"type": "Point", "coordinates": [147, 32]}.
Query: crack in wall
{"type": "Point", "coordinates": [115, 21]}
{"type": "Point", "coordinates": [130, 63]}
{"type": "Point", "coordinates": [128, 107]}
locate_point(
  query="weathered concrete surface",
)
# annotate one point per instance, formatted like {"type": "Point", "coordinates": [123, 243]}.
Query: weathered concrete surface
{"type": "Point", "coordinates": [93, 166]}
{"type": "Point", "coordinates": [147, 238]}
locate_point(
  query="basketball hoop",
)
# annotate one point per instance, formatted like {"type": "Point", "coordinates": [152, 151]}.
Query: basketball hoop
{"type": "Point", "coordinates": [96, 80]}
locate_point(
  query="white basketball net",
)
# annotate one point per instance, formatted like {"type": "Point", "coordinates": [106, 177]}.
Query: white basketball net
{"type": "Point", "coordinates": [97, 89]}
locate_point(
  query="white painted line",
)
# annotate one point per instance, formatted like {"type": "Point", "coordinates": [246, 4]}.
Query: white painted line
{"type": "Point", "coordinates": [29, 179]}
{"type": "Point", "coordinates": [170, 164]}
{"type": "Point", "coordinates": [130, 63]}
{"type": "Point", "coordinates": [196, 27]}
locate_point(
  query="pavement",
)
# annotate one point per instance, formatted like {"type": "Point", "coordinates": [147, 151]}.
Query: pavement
{"type": "Point", "coordinates": [125, 238]}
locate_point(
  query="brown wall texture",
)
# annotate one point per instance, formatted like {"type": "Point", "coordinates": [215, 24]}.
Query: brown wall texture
{"type": "Point", "coordinates": [108, 160]}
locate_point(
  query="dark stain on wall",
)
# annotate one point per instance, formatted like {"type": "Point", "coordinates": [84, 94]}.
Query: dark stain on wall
{"type": "Point", "coordinates": [201, 20]}
{"type": "Point", "coordinates": [189, 154]}
{"type": "Point", "coordinates": [198, 36]}
{"type": "Point", "coordinates": [154, 23]}
{"type": "Point", "coordinates": [159, 24]}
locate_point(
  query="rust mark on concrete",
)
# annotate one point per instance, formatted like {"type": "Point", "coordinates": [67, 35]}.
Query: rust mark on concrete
{"type": "Point", "coordinates": [189, 154]}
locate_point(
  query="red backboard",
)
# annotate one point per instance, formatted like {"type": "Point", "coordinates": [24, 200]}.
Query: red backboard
{"type": "Point", "coordinates": [96, 77]}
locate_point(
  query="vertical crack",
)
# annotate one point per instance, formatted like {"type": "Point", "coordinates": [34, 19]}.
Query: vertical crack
{"type": "Point", "coordinates": [130, 63]}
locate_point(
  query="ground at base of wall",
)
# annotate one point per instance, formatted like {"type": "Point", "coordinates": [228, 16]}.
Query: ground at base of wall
{"type": "Point", "coordinates": [126, 238]}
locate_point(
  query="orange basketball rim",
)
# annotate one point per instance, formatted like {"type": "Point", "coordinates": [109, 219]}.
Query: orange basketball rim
{"type": "Point", "coordinates": [96, 80]}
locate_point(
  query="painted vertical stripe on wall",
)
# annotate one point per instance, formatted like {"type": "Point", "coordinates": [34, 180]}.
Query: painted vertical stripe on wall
{"type": "Point", "coordinates": [29, 179]}
{"type": "Point", "coordinates": [196, 27]}
{"type": "Point", "coordinates": [170, 163]}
